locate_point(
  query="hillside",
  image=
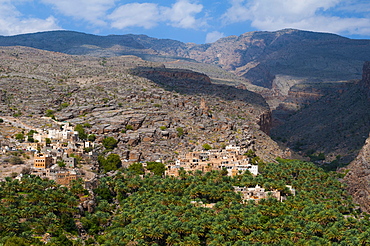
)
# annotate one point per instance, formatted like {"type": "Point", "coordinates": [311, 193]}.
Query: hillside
{"type": "Point", "coordinates": [121, 97]}
{"type": "Point", "coordinates": [159, 99]}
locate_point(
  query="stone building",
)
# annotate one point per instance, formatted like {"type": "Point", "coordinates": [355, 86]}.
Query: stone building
{"type": "Point", "coordinates": [257, 193]}
{"type": "Point", "coordinates": [42, 160]}
{"type": "Point", "coordinates": [217, 159]}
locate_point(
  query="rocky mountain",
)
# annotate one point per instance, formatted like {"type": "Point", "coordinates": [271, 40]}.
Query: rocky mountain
{"type": "Point", "coordinates": [257, 56]}
{"type": "Point", "coordinates": [307, 78]}
{"type": "Point", "coordinates": [336, 124]}
{"type": "Point", "coordinates": [358, 177]}
{"type": "Point", "coordinates": [154, 112]}
{"type": "Point", "coordinates": [358, 171]}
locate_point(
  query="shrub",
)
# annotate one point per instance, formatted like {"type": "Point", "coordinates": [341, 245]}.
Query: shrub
{"type": "Point", "coordinates": [207, 146]}
{"type": "Point", "coordinates": [129, 127]}
{"type": "Point", "coordinates": [109, 143]}
{"type": "Point", "coordinates": [157, 168]}
{"type": "Point", "coordinates": [47, 141]}
{"type": "Point", "coordinates": [15, 160]}
{"type": "Point", "coordinates": [81, 131]}
{"type": "Point", "coordinates": [87, 125]}
{"type": "Point", "coordinates": [111, 163]}
{"type": "Point", "coordinates": [30, 139]}
{"type": "Point", "coordinates": [137, 168]}
{"type": "Point", "coordinates": [49, 113]}
{"type": "Point", "coordinates": [91, 137]}
{"type": "Point", "coordinates": [63, 105]}
{"type": "Point", "coordinates": [180, 131]}
{"type": "Point", "coordinates": [19, 137]}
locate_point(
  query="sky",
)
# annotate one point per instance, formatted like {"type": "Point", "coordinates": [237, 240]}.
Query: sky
{"type": "Point", "coordinates": [196, 21]}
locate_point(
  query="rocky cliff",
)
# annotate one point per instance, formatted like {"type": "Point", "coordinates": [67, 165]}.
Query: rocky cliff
{"type": "Point", "coordinates": [358, 178]}
{"type": "Point", "coordinates": [366, 76]}
{"type": "Point", "coordinates": [154, 112]}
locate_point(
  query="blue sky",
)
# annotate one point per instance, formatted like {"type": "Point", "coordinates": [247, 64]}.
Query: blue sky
{"type": "Point", "coordinates": [185, 20]}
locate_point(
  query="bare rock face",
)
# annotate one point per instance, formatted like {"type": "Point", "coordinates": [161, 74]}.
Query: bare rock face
{"type": "Point", "coordinates": [366, 75]}
{"type": "Point", "coordinates": [358, 178]}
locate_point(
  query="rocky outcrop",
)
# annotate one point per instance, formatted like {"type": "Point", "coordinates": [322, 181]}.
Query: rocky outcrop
{"type": "Point", "coordinates": [366, 75]}
{"type": "Point", "coordinates": [358, 178]}
{"type": "Point", "coordinates": [177, 74]}
{"type": "Point", "coordinates": [265, 122]}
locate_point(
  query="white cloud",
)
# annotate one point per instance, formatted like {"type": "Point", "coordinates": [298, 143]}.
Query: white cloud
{"type": "Point", "coordinates": [143, 15]}
{"type": "Point", "coordinates": [182, 14]}
{"type": "Point", "coordinates": [12, 22]}
{"type": "Point", "coordinates": [93, 11]}
{"type": "Point", "coordinates": [314, 15]}
{"type": "Point", "coordinates": [214, 36]}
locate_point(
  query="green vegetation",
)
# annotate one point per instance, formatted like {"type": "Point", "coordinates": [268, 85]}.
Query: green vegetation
{"type": "Point", "coordinates": [81, 131]}
{"type": "Point", "coordinates": [196, 209]}
{"type": "Point", "coordinates": [109, 143]}
{"type": "Point", "coordinates": [157, 168]}
{"type": "Point", "coordinates": [49, 113]}
{"type": "Point", "coordinates": [19, 137]}
{"type": "Point", "coordinates": [33, 207]}
{"type": "Point", "coordinates": [19, 113]}
{"type": "Point", "coordinates": [87, 125]}
{"type": "Point", "coordinates": [129, 127]}
{"type": "Point", "coordinates": [136, 168]}
{"type": "Point", "coordinates": [63, 105]}
{"type": "Point", "coordinates": [253, 158]}
{"type": "Point", "coordinates": [319, 157]}
{"type": "Point", "coordinates": [30, 139]}
{"type": "Point", "coordinates": [61, 163]}
{"type": "Point", "coordinates": [15, 160]}
{"type": "Point", "coordinates": [30, 136]}
{"type": "Point", "coordinates": [111, 163]}
{"type": "Point", "coordinates": [206, 146]}
{"type": "Point", "coordinates": [47, 141]}
{"type": "Point", "coordinates": [180, 131]}
{"type": "Point", "coordinates": [88, 149]}
{"type": "Point", "coordinates": [159, 210]}
{"type": "Point", "coordinates": [91, 137]}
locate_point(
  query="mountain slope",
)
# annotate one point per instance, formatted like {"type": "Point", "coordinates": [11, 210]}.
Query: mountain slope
{"type": "Point", "coordinates": [256, 56]}
{"type": "Point", "coordinates": [115, 97]}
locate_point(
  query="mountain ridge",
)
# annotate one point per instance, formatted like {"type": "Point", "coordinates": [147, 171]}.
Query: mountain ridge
{"type": "Point", "coordinates": [256, 56]}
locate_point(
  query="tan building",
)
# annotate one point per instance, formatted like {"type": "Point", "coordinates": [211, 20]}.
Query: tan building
{"type": "Point", "coordinates": [42, 160]}
{"type": "Point", "coordinates": [66, 177]}
{"type": "Point", "coordinates": [61, 176]}
{"type": "Point", "coordinates": [257, 193]}
{"type": "Point", "coordinates": [217, 159]}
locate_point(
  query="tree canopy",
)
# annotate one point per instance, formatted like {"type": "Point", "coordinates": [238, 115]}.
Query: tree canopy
{"type": "Point", "coordinates": [109, 143]}
{"type": "Point", "coordinates": [193, 209]}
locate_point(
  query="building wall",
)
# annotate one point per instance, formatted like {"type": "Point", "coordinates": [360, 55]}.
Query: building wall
{"type": "Point", "coordinates": [205, 161]}
{"type": "Point", "coordinates": [42, 161]}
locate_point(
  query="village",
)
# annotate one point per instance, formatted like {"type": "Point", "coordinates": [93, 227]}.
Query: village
{"type": "Point", "coordinates": [60, 155]}
{"type": "Point", "coordinates": [53, 154]}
